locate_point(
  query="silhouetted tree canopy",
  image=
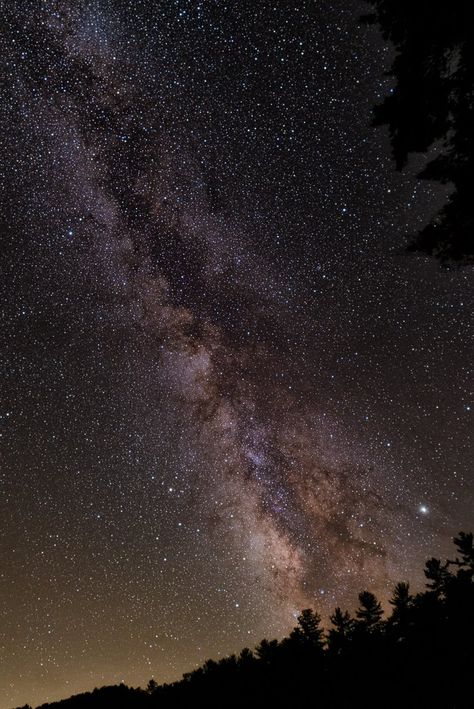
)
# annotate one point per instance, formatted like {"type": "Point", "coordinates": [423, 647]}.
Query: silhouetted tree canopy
{"type": "Point", "coordinates": [421, 656]}
{"type": "Point", "coordinates": [308, 632]}
{"type": "Point", "coordinates": [431, 109]}
{"type": "Point", "coordinates": [370, 611]}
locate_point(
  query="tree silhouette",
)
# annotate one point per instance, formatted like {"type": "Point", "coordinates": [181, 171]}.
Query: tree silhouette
{"type": "Point", "coordinates": [465, 547]}
{"type": "Point", "coordinates": [370, 611]}
{"type": "Point", "coordinates": [308, 631]}
{"type": "Point", "coordinates": [267, 651]}
{"type": "Point", "coordinates": [437, 575]}
{"type": "Point", "coordinates": [340, 634]}
{"type": "Point", "coordinates": [431, 109]}
{"type": "Point", "coordinates": [401, 600]}
{"type": "Point", "coordinates": [152, 686]}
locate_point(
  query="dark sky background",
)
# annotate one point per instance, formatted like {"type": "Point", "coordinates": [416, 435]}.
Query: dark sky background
{"type": "Point", "coordinates": [227, 393]}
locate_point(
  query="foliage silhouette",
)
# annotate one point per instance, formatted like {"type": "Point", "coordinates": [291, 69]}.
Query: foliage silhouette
{"type": "Point", "coordinates": [431, 108]}
{"type": "Point", "coordinates": [370, 612]}
{"type": "Point", "coordinates": [420, 656]}
{"type": "Point", "coordinates": [340, 635]}
{"type": "Point", "coordinates": [308, 633]}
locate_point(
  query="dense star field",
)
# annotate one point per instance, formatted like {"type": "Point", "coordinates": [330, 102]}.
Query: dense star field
{"type": "Point", "coordinates": [228, 393]}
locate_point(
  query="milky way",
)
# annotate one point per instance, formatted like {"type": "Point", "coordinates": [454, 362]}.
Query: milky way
{"type": "Point", "coordinates": [228, 392]}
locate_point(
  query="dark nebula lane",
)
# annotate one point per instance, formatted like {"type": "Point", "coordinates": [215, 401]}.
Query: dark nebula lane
{"type": "Point", "coordinates": [228, 393]}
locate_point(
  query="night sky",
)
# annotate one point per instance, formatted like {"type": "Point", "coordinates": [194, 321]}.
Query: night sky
{"type": "Point", "coordinates": [228, 393]}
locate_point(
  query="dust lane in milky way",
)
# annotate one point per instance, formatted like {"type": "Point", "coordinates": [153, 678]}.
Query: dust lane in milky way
{"type": "Point", "coordinates": [228, 392]}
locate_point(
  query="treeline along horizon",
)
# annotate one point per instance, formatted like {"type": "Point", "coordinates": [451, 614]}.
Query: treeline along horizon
{"type": "Point", "coordinates": [421, 655]}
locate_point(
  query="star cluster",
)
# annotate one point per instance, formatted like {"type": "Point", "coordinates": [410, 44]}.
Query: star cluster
{"type": "Point", "coordinates": [228, 392]}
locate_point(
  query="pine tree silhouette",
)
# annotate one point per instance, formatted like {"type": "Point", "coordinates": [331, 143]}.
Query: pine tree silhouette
{"type": "Point", "coordinates": [370, 611]}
